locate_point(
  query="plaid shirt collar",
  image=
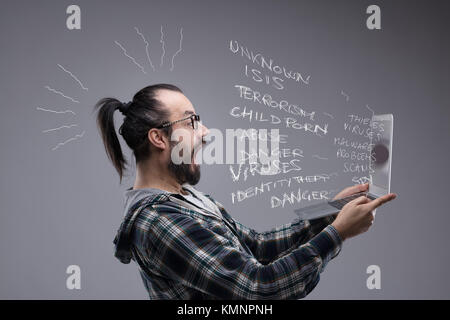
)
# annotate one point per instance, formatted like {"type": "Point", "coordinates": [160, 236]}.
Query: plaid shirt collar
{"type": "Point", "coordinates": [175, 200]}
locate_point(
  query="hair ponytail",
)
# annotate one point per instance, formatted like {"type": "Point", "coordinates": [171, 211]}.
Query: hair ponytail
{"type": "Point", "coordinates": [141, 114]}
{"type": "Point", "coordinates": [105, 123]}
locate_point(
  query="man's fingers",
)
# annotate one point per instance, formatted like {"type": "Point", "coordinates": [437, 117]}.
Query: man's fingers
{"type": "Point", "coordinates": [364, 187]}
{"type": "Point", "coordinates": [352, 190]}
{"type": "Point", "coordinates": [357, 188]}
{"type": "Point", "coordinates": [360, 200]}
{"type": "Point", "coordinates": [372, 205]}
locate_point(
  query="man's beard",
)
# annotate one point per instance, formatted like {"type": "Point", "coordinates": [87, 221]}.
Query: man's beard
{"type": "Point", "coordinates": [184, 172]}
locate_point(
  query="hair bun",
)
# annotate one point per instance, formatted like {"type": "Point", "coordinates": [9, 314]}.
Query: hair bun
{"type": "Point", "coordinates": [124, 107]}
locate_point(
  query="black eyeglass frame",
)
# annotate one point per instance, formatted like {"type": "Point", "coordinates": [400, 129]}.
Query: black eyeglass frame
{"type": "Point", "coordinates": [194, 120]}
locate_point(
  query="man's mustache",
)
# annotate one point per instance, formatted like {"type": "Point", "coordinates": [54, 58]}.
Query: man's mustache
{"type": "Point", "coordinates": [202, 143]}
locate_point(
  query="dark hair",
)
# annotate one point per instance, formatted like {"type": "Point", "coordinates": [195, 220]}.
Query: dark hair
{"type": "Point", "coordinates": [143, 113]}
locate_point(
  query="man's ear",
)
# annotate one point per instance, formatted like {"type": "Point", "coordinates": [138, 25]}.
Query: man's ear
{"type": "Point", "coordinates": [158, 139]}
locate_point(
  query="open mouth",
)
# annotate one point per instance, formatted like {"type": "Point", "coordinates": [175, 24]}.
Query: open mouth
{"type": "Point", "coordinates": [196, 150]}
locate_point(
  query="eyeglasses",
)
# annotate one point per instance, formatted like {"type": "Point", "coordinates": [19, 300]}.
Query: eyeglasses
{"type": "Point", "coordinates": [195, 118]}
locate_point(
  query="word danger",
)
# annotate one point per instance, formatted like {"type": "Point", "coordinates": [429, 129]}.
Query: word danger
{"type": "Point", "coordinates": [241, 195]}
{"type": "Point", "coordinates": [275, 152]}
{"type": "Point", "coordinates": [297, 197]}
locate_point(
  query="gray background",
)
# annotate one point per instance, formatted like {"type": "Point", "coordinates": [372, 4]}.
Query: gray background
{"type": "Point", "coordinates": [63, 207]}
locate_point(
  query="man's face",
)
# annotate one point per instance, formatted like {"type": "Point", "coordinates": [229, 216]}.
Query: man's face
{"type": "Point", "coordinates": [192, 139]}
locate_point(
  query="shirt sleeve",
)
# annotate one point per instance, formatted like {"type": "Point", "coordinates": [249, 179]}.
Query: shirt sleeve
{"type": "Point", "coordinates": [185, 251]}
{"type": "Point", "coordinates": [269, 245]}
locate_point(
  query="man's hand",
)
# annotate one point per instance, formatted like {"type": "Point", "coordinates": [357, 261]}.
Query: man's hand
{"type": "Point", "coordinates": [352, 190]}
{"type": "Point", "coordinates": [356, 216]}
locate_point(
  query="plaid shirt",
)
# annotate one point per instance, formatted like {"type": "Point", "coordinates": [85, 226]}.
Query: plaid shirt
{"type": "Point", "coordinates": [185, 252]}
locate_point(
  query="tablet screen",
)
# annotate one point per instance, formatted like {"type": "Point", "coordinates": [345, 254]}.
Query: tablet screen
{"type": "Point", "coordinates": [380, 161]}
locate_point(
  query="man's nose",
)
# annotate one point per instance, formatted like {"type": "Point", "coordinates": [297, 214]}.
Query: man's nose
{"type": "Point", "coordinates": [205, 130]}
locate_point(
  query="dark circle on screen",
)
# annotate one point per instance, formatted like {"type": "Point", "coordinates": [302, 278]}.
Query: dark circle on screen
{"type": "Point", "coordinates": [380, 154]}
